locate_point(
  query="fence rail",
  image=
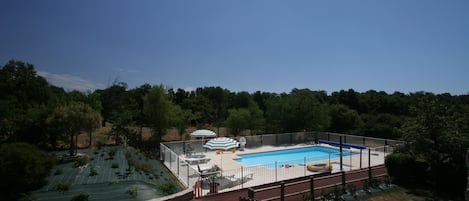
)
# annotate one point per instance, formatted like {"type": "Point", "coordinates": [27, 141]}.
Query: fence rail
{"type": "Point", "coordinates": [238, 178]}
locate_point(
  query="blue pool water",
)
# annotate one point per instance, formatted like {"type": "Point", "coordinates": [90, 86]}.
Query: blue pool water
{"type": "Point", "coordinates": [295, 156]}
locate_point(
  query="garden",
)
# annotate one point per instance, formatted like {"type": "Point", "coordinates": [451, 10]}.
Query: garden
{"type": "Point", "coordinates": [107, 173]}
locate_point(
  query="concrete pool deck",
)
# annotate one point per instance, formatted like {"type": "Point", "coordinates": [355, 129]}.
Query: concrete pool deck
{"type": "Point", "coordinates": [262, 174]}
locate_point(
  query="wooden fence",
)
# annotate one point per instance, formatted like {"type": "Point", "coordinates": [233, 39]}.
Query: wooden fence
{"type": "Point", "coordinates": [295, 189]}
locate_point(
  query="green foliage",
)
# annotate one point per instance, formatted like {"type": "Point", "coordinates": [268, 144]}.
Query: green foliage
{"type": "Point", "coordinates": [93, 171]}
{"type": "Point", "coordinates": [82, 196]}
{"type": "Point", "coordinates": [301, 110]}
{"type": "Point", "coordinates": [157, 108]}
{"type": "Point", "coordinates": [72, 118]}
{"type": "Point", "coordinates": [63, 187]}
{"type": "Point", "coordinates": [405, 168]}
{"type": "Point", "coordinates": [168, 186]}
{"type": "Point", "coordinates": [437, 137]}
{"type": "Point", "coordinates": [81, 161]}
{"type": "Point", "coordinates": [115, 165]}
{"type": "Point", "coordinates": [132, 191]}
{"type": "Point", "coordinates": [25, 100]}
{"type": "Point", "coordinates": [343, 119]}
{"type": "Point", "coordinates": [111, 152]}
{"type": "Point", "coordinates": [23, 168]}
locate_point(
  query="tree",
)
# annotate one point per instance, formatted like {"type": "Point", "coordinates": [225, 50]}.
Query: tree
{"type": "Point", "coordinates": [245, 118]}
{"type": "Point", "coordinates": [343, 119]}
{"type": "Point", "coordinates": [438, 137]}
{"type": "Point", "coordinates": [24, 168]}
{"type": "Point", "coordinates": [113, 99]}
{"type": "Point", "coordinates": [300, 110]}
{"type": "Point", "coordinates": [73, 118]}
{"type": "Point", "coordinates": [180, 118]}
{"type": "Point", "coordinates": [238, 120]}
{"type": "Point", "coordinates": [157, 108]}
{"type": "Point", "coordinates": [25, 101]}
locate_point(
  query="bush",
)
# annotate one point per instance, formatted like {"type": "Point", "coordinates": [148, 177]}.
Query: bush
{"type": "Point", "coordinates": [23, 168]}
{"type": "Point", "coordinates": [168, 186]}
{"type": "Point", "coordinates": [132, 191]}
{"type": "Point", "coordinates": [112, 152]}
{"type": "Point", "coordinates": [62, 187]}
{"type": "Point", "coordinates": [115, 165]}
{"type": "Point", "coordinates": [405, 169]}
{"type": "Point", "coordinates": [83, 196]}
{"type": "Point", "coordinates": [93, 171]}
{"type": "Point", "coordinates": [81, 161]}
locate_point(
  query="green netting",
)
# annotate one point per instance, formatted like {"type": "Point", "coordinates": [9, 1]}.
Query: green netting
{"type": "Point", "coordinates": [128, 168]}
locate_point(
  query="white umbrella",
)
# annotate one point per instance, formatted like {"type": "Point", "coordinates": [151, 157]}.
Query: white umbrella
{"type": "Point", "coordinates": [222, 143]}
{"type": "Point", "coordinates": [203, 133]}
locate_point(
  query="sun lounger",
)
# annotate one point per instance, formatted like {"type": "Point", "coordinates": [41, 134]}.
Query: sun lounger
{"type": "Point", "coordinates": [203, 169]}
{"type": "Point", "coordinates": [197, 159]}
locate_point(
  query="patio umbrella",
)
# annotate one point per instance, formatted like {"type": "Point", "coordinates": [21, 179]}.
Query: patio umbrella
{"type": "Point", "coordinates": [203, 133]}
{"type": "Point", "coordinates": [221, 143]}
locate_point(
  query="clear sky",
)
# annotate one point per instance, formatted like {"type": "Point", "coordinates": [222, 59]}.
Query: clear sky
{"type": "Point", "coordinates": [243, 45]}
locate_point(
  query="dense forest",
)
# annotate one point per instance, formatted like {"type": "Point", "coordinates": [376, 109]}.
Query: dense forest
{"type": "Point", "coordinates": [436, 126]}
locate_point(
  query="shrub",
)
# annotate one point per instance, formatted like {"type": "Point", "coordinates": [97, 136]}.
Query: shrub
{"type": "Point", "coordinates": [62, 187]}
{"type": "Point", "coordinates": [112, 152]}
{"type": "Point", "coordinates": [405, 169]}
{"type": "Point", "coordinates": [81, 161]}
{"type": "Point", "coordinates": [115, 165]}
{"type": "Point", "coordinates": [168, 186]}
{"type": "Point", "coordinates": [83, 196]}
{"type": "Point", "coordinates": [132, 191]}
{"type": "Point", "coordinates": [93, 171]}
{"type": "Point", "coordinates": [23, 168]}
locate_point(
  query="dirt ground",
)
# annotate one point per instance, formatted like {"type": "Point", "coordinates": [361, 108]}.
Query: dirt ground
{"type": "Point", "coordinates": [101, 135]}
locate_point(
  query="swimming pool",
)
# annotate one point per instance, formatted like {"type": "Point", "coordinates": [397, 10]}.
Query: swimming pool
{"type": "Point", "coordinates": [290, 156]}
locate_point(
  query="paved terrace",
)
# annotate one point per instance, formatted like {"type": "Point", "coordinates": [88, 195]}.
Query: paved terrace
{"type": "Point", "coordinates": [262, 174]}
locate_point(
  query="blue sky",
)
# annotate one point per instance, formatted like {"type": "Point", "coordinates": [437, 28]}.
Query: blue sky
{"type": "Point", "coordinates": [243, 45]}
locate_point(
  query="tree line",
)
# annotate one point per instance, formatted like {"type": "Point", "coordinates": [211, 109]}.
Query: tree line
{"type": "Point", "coordinates": [434, 125]}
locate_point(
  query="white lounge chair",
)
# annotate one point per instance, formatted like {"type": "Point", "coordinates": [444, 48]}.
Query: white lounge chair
{"type": "Point", "coordinates": [197, 159]}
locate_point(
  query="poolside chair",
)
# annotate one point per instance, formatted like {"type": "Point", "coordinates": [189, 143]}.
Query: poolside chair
{"type": "Point", "coordinates": [204, 169]}
{"type": "Point", "coordinates": [197, 159]}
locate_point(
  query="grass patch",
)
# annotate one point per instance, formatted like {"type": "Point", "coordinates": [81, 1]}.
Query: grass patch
{"type": "Point", "coordinates": [404, 194]}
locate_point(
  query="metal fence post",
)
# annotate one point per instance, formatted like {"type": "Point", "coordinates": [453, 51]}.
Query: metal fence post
{"type": "Point", "coordinates": [361, 158]}
{"type": "Point", "coordinates": [242, 177]}
{"type": "Point", "coordinates": [188, 181]}
{"type": "Point", "coordinates": [311, 187]}
{"type": "Point", "coordinates": [282, 191]}
{"type": "Point", "coordinates": [369, 163]}
{"type": "Point", "coordinates": [343, 179]}
{"type": "Point", "coordinates": [304, 165]}
{"type": "Point", "coordinates": [276, 171]}
{"type": "Point", "coordinates": [251, 193]}
{"type": "Point", "coordinates": [170, 164]}
{"type": "Point", "coordinates": [341, 161]}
